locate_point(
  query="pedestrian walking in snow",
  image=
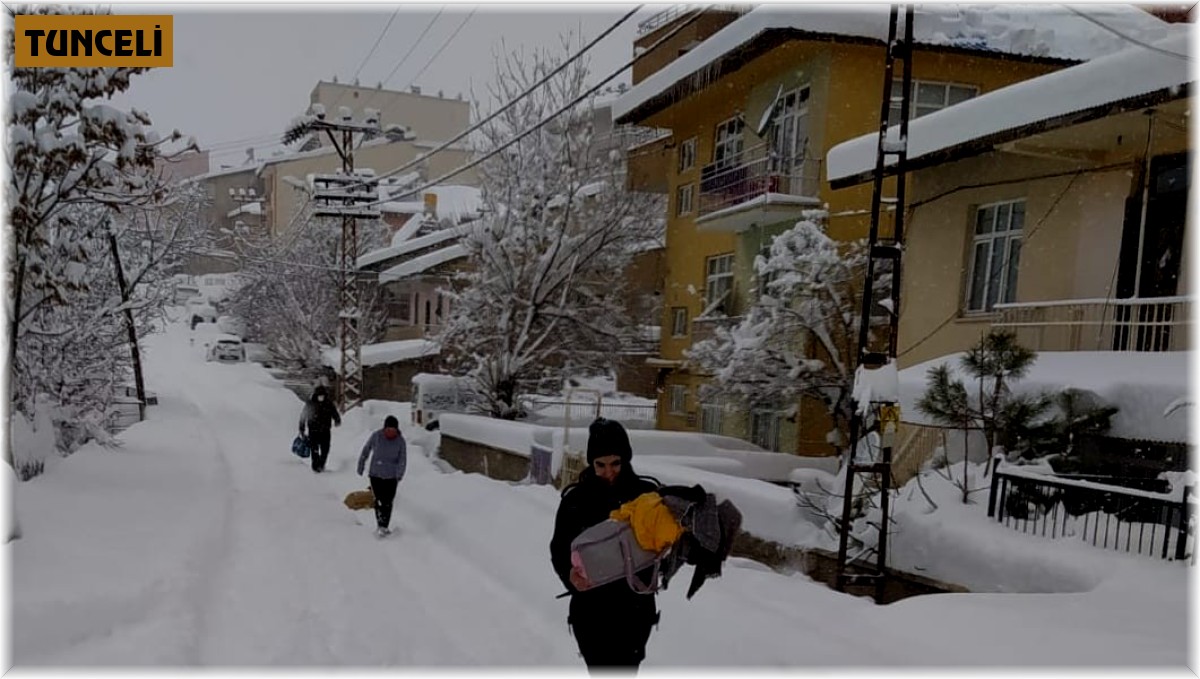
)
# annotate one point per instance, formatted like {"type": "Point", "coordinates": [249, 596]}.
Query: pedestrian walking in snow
{"type": "Point", "coordinates": [318, 416]}
{"type": "Point", "coordinates": [611, 623]}
{"type": "Point", "coordinates": [389, 460]}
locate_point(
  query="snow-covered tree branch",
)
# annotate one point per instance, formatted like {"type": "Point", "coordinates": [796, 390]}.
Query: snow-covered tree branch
{"type": "Point", "coordinates": [544, 288]}
{"type": "Point", "coordinates": [799, 338]}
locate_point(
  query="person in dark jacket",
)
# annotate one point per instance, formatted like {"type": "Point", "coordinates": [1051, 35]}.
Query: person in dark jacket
{"type": "Point", "coordinates": [318, 414]}
{"type": "Point", "coordinates": [389, 460]}
{"type": "Point", "coordinates": [611, 623]}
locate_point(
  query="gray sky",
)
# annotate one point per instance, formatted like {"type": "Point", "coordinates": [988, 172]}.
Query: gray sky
{"type": "Point", "coordinates": [243, 73]}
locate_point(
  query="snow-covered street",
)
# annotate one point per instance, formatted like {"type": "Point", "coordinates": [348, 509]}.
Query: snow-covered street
{"type": "Point", "coordinates": [203, 541]}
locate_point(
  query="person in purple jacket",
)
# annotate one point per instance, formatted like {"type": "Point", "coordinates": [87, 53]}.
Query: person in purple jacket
{"type": "Point", "coordinates": [389, 459]}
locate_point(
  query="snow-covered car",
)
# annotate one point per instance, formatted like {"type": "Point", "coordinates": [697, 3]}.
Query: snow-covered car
{"type": "Point", "coordinates": [227, 350]}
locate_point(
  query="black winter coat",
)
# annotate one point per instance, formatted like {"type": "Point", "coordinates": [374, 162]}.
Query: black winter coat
{"type": "Point", "coordinates": [319, 416]}
{"type": "Point", "coordinates": [584, 505]}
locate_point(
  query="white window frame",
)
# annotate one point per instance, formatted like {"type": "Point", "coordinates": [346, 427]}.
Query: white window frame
{"type": "Point", "coordinates": [717, 275]}
{"type": "Point", "coordinates": [679, 328]}
{"type": "Point", "coordinates": [685, 200]}
{"type": "Point", "coordinates": [1009, 269]}
{"type": "Point", "coordinates": [687, 155]}
{"type": "Point", "coordinates": [774, 424]}
{"type": "Point", "coordinates": [729, 139]}
{"type": "Point", "coordinates": [917, 110]}
{"type": "Point", "coordinates": [677, 399]}
{"type": "Point", "coordinates": [397, 300]}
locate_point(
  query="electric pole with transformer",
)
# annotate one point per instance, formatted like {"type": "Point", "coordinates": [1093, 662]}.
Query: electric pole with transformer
{"type": "Point", "coordinates": [348, 195]}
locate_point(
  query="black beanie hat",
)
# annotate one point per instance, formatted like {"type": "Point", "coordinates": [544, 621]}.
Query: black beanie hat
{"type": "Point", "coordinates": [391, 421]}
{"type": "Point", "coordinates": [607, 437]}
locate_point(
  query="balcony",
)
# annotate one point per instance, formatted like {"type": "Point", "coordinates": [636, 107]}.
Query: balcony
{"type": "Point", "coordinates": [756, 187]}
{"type": "Point", "coordinates": [1148, 324]}
{"type": "Point", "coordinates": [705, 328]}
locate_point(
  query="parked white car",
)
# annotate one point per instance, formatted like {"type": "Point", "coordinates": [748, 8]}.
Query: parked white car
{"type": "Point", "coordinates": [227, 349]}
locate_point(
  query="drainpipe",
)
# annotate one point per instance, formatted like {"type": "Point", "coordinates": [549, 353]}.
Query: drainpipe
{"type": "Point", "coordinates": [1137, 279]}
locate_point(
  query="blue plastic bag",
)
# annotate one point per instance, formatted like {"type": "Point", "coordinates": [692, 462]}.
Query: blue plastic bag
{"type": "Point", "coordinates": [300, 447]}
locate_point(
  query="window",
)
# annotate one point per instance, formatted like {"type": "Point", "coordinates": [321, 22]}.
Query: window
{"type": "Point", "coordinates": [728, 144]}
{"type": "Point", "coordinates": [995, 255]}
{"type": "Point", "coordinates": [710, 418]}
{"type": "Point", "coordinates": [687, 155]}
{"type": "Point", "coordinates": [789, 129]}
{"type": "Point", "coordinates": [683, 200]}
{"type": "Point", "coordinates": [399, 308]}
{"type": "Point", "coordinates": [764, 429]}
{"type": "Point", "coordinates": [678, 394]}
{"type": "Point", "coordinates": [679, 318]}
{"type": "Point", "coordinates": [718, 282]}
{"type": "Point", "coordinates": [929, 97]}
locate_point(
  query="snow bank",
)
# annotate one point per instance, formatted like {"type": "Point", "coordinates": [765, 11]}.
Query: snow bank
{"type": "Point", "coordinates": [1141, 384]}
{"type": "Point", "coordinates": [1127, 74]}
{"type": "Point", "coordinates": [958, 543]}
{"type": "Point", "coordinates": [515, 437]}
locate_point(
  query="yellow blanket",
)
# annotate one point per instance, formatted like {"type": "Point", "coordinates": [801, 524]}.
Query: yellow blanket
{"type": "Point", "coordinates": [654, 526]}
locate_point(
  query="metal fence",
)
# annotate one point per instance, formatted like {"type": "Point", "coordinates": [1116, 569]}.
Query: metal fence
{"type": "Point", "coordinates": [585, 412]}
{"type": "Point", "coordinates": [1150, 324]}
{"type": "Point", "coordinates": [1109, 517]}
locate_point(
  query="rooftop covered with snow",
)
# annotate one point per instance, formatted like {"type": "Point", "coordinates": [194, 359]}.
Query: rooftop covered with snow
{"type": "Point", "coordinates": [402, 247]}
{"type": "Point", "coordinates": [384, 353]}
{"type": "Point", "coordinates": [1129, 80]}
{"type": "Point", "coordinates": [423, 263]}
{"type": "Point", "coordinates": [1043, 33]}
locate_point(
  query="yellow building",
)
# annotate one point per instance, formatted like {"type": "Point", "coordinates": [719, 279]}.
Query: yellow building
{"type": "Point", "coordinates": [1063, 221]}
{"type": "Point", "coordinates": [753, 107]}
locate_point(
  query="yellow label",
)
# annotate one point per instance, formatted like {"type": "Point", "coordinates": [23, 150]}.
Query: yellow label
{"type": "Point", "coordinates": [67, 40]}
{"type": "Point", "coordinates": [889, 414]}
{"type": "Point", "coordinates": [431, 203]}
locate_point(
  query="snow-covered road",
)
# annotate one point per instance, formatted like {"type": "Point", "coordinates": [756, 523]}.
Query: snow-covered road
{"type": "Point", "coordinates": [203, 541]}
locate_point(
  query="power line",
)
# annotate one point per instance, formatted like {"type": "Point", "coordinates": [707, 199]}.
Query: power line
{"type": "Point", "coordinates": [543, 122]}
{"type": "Point", "coordinates": [444, 46]}
{"type": "Point", "coordinates": [414, 45]}
{"type": "Point", "coordinates": [1129, 38]}
{"type": "Point", "coordinates": [544, 79]}
{"type": "Point", "coordinates": [376, 45]}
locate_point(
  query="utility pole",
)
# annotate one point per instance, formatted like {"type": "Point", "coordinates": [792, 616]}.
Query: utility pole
{"type": "Point", "coordinates": [881, 410]}
{"type": "Point", "coordinates": [344, 195]}
{"type": "Point", "coordinates": [130, 328]}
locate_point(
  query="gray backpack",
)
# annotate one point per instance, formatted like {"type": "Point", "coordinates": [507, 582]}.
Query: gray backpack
{"type": "Point", "coordinates": [609, 552]}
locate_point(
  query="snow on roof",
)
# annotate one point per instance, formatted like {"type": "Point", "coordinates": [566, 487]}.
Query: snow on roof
{"type": "Point", "coordinates": [405, 246]}
{"type": "Point", "coordinates": [1125, 75]}
{"type": "Point", "coordinates": [1141, 384]}
{"type": "Point", "coordinates": [457, 203]}
{"type": "Point", "coordinates": [254, 208]}
{"type": "Point", "coordinates": [1028, 30]}
{"type": "Point", "coordinates": [385, 352]}
{"type": "Point", "coordinates": [402, 207]}
{"type": "Point", "coordinates": [423, 263]}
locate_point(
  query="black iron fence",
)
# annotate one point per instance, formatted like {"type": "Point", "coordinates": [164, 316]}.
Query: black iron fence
{"type": "Point", "coordinates": [1109, 517]}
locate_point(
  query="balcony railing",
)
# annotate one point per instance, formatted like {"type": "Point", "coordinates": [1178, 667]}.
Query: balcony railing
{"type": "Point", "coordinates": [657, 21]}
{"type": "Point", "coordinates": [705, 328]}
{"type": "Point", "coordinates": [1148, 324]}
{"type": "Point", "coordinates": [754, 173]}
